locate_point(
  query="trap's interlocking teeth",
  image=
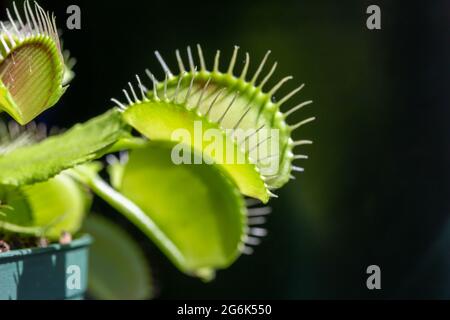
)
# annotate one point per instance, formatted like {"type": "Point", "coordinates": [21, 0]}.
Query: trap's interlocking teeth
{"type": "Point", "coordinates": [38, 23]}
{"type": "Point", "coordinates": [256, 212]}
{"type": "Point", "coordinates": [233, 103]}
{"type": "Point", "coordinates": [258, 232]}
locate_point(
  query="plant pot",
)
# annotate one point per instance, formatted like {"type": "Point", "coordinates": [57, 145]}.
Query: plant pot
{"type": "Point", "coordinates": [54, 273]}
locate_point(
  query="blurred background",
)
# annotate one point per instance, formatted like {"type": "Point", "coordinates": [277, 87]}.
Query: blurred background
{"type": "Point", "coordinates": [377, 186]}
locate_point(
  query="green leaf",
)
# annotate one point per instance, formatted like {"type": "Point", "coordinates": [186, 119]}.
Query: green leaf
{"type": "Point", "coordinates": [194, 213]}
{"type": "Point", "coordinates": [45, 209]}
{"type": "Point", "coordinates": [84, 142]}
{"type": "Point", "coordinates": [118, 268]}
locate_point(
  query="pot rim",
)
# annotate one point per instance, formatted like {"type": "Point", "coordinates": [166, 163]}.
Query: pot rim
{"type": "Point", "coordinates": [83, 241]}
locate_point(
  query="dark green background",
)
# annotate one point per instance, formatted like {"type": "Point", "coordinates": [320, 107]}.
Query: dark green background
{"type": "Point", "coordinates": [376, 188]}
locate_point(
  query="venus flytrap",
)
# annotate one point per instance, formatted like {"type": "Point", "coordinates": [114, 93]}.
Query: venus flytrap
{"type": "Point", "coordinates": [199, 228]}
{"type": "Point", "coordinates": [46, 208]}
{"type": "Point", "coordinates": [32, 66]}
{"type": "Point", "coordinates": [202, 216]}
{"type": "Point", "coordinates": [39, 199]}
{"type": "Point", "coordinates": [185, 229]}
{"type": "Point", "coordinates": [52, 203]}
{"type": "Point", "coordinates": [222, 101]}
